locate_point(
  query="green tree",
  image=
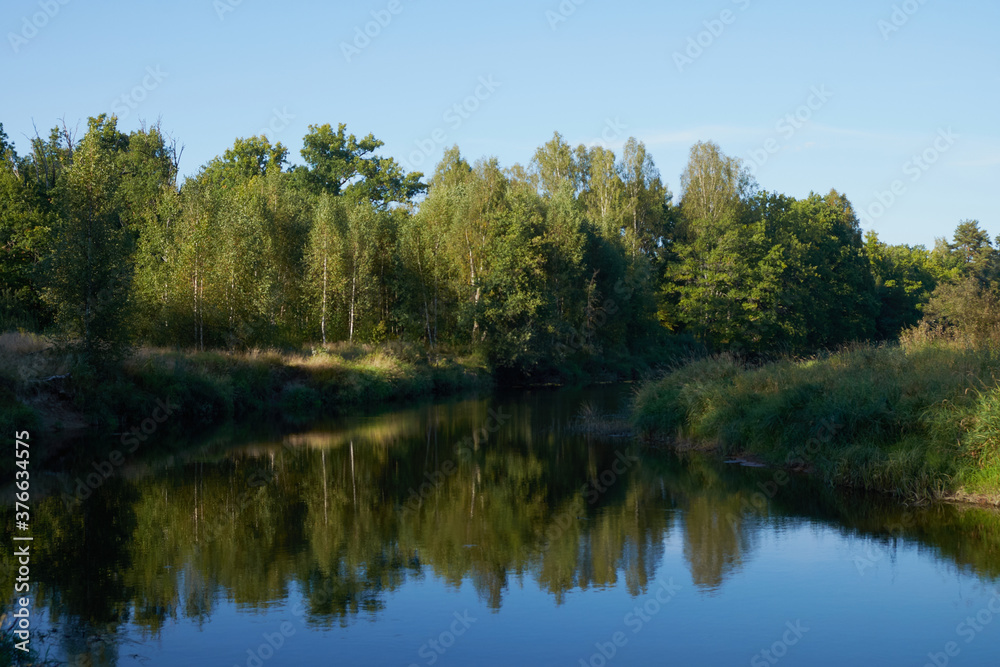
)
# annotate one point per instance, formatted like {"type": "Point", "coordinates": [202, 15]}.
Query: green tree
{"type": "Point", "coordinates": [645, 200]}
{"type": "Point", "coordinates": [253, 156]}
{"type": "Point", "coordinates": [5, 147]}
{"type": "Point", "coordinates": [972, 244]}
{"type": "Point", "coordinates": [27, 216]}
{"type": "Point", "coordinates": [339, 163]}
{"type": "Point", "coordinates": [776, 274]}
{"type": "Point", "coordinates": [91, 267]}
{"type": "Point", "coordinates": [514, 302]}
{"type": "Point", "coordinates": [324, 258]}
{"type": "Point", "coordinates": [190, 262]}
{"type": "Point", "coordinates": [151, 207]}
{"type": "Point", "coordinates": [965, 302]}
{"type": "Point", "coordinates": [842, 290]}
{"type": "Point", "coordinates": [604, 194]}
{"type": "Point", "coordinates": [904, 280]}
{"type": "Point", "coordinates": [365, 227]}
{"type": "Point", "coordinates": [556, 166]}
{"type": "Point", "coordinates": [479, 204]}
{"type": "Point", "coordinates": [433, 251]}
{"type": "Point", "coordinates": [714, 186]}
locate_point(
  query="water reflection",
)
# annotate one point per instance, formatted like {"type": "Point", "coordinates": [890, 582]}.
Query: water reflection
{"type": "Point", "coordinates": [480, 491]}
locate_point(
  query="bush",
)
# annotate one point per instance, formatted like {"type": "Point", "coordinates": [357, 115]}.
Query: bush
{"type": "Point", "coordinates": [965, 311]}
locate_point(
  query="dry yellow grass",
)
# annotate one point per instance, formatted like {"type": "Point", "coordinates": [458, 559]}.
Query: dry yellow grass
{"type": "Point", "coordinates": [22, 343]}
{"type": "Point", "coordinates": [23, 356]}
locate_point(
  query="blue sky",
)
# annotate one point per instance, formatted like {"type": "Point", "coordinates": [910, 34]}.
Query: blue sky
{"type": "Point", "coordinates": [925, 83]}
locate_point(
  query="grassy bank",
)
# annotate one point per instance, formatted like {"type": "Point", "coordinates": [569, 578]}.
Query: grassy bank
{"type": "Point", "coordinates": [41, 388]}
{"type": "Point", "coordinates": [921, 420]}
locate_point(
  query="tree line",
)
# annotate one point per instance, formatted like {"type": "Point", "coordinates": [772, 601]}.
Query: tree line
{"type": "Point", "coordinates": [582, 254]}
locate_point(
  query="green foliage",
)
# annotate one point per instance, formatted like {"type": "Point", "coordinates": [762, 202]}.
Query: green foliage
{"type": "Point", "coordinates": [965, 305]}
{"type": "Point", "coordinates": [780, 275]}
{"type": "Point", "coordinates": [338, 163]}
{"type": "Point", "coordinates": [324, 261]}
{"type": "Point", "coordinates": [5, 146]}
{"type": "Point", "coordinates": [27, 216]}
{"type": "Point", "coordinates": [964, 310]}
{"type": "Point", "coordinates": [89, 273]}
{"type": "Point", "coordinates": [714, 185]}
{"type": "Point", "coordinates": [904, 279]}
{"type": "Point", "coordinates": [889, 418]}
{"type": "Point", "coordinates": [579, 261]}
{"type": "Point", "coordinates": [974, 251]}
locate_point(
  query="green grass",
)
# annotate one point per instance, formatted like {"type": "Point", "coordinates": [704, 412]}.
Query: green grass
{"type": "Point", "coordinates": [296, 387]}
{"type": "Point", "coordinates": [213, 387]}
{"type": "Point", "coordinates": [920, 420]}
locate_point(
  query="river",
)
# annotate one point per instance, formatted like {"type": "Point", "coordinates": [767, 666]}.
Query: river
{"type": "Point", "coordinates": [496, 531]}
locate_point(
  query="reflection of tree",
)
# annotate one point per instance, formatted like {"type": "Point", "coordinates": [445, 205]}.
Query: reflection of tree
{"type": "Point", "coordinates": [712, 539]}
{"type": "Point", "coordinates": [719, 519]}
{"type": "Point", "coordinates": [78, 568]}
{"type": "Point", "coordinates": [329, 515]}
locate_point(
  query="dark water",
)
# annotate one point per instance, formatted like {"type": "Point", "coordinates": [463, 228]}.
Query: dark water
{"type": "Point", "coordinates": [492, 532]}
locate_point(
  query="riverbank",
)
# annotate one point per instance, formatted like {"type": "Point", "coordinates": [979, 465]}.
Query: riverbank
{"type": "Point", "coordinates": [920, 421]}
{"type": "Point", "coordinates": [42, 388]}
{"type": "Point", "coordinates": [43, 391]}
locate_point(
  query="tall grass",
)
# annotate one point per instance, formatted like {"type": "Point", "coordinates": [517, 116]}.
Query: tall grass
{"type": "Point", "coordinates": [919, 420]}
{"type": "Point", "coordinates": [22, 365]}
{"type": "Point", "coordinates": [215, 386]}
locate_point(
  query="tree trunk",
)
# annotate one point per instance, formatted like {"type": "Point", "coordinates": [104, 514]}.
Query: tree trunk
{"type": "Point", "coordinates": [322, 319]}
{"type": "Point", "coordinates": [354, 283]}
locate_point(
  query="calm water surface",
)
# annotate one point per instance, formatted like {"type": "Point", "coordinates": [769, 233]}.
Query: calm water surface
{"type": "Point", "coordinates": [494, 532]}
